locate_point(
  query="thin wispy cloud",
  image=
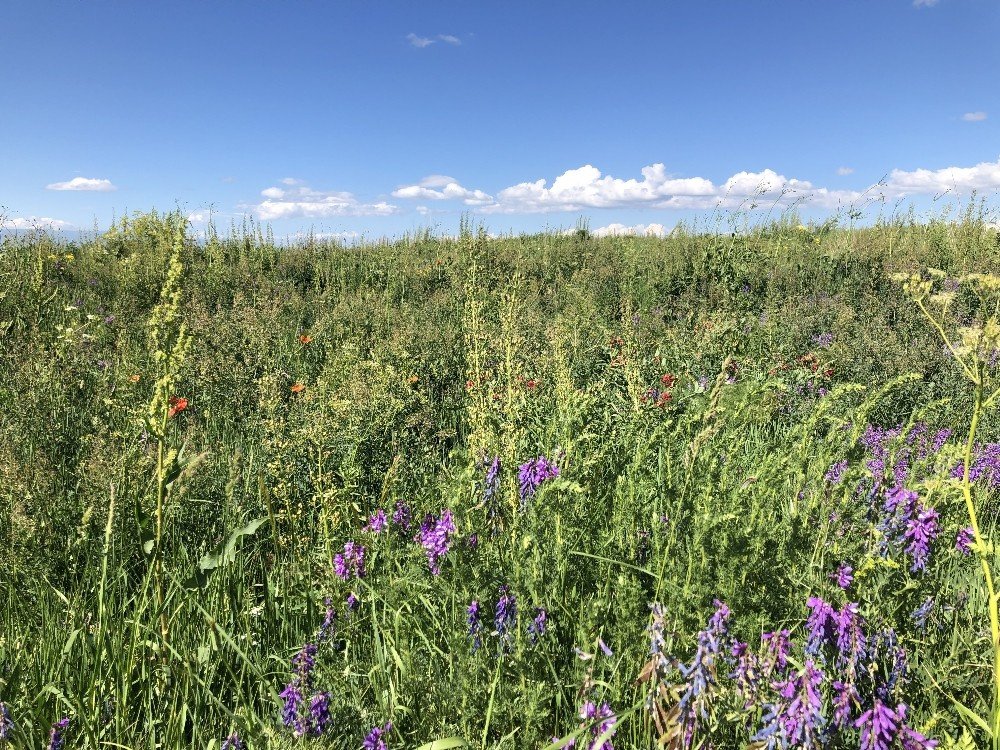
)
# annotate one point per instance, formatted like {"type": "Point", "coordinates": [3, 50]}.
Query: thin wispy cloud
{"type": "Point", "coordinates": [301, 201]}
{"type": "Point", "coordinates": [974, 116]}
{"type": "Point", "coordinates": [419, 41]}
{"type": "Point", "coordinates": [844, 171]}
{"type": "Point", "coordinates": [83, 183]}
{"type": "Point", "coordinates": [924, 3]}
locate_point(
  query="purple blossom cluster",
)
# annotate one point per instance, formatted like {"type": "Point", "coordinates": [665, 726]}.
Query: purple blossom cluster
{"type": "Point", "coordinates": [491, 483]}
{"type": "Point", "coordinates": [305, 711]}
{"type": "Point", "coordinates": [856, 674]}
{"type": "Point", "coordinates": [435, 537]}
{"type": "Point", "coordinates": [843, 576]}
{"type": "Point", "coordinates": [475, 624]}
{"type": "Point", "coordinates": [57, 739]}
{"type": "Point", "coordinates": [505, 616]}
{"type": "Point", "coordinates": [964, 539]}
{"type": "Point", "coordinates": [350, 563]}
{"type": "Point", "coordinates": [233, 742]}
{"type": "Point", "coordinates": [889, 454]}
{"type": "Point", "coordinates": [536, 628]}
{"type": "Point", "coordinates": [905, 520]}
{"type": "Point", "coordinates": [6, 723]}
{"type": "Point", "coordinates": [375, 739]}
{"type": "Point", "coordinates": [985, 466]}
{"type": "Point", "coordinates": [532, 474]}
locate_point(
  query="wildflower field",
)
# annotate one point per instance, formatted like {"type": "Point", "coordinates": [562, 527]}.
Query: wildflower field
{"type": "Point", "coordinates": [721, 489]}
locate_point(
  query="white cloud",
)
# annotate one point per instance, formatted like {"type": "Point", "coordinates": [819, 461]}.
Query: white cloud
{"type": "Point", "coordinates": [438, 187]}
{"type": "Point", "coordinates": [983, 176]}
{"type": "Point", "coordinates": [83, 183]}
{"type": "Point", "coordinates": [974, 116]}
{"type": "Point", "coordinates": [844, 171]}
{"type": "Point", "coordinates": [419, 41]}
{"type": "Point", "coordinates": [290, 181]}
{"type": "Point", "coordinates": [450, 39]}
{"type": "Point", "coordinates": [304, 202]}
{"type": "Point", "coordinates": [924, 3]}
{"type": "Point", "coordinates": [640, 230]}
{"type": "Point", "coordinates": [35, 222]}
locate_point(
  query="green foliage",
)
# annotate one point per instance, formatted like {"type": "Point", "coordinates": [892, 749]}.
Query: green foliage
{"type": "Point", "coordinates": [159, 567]}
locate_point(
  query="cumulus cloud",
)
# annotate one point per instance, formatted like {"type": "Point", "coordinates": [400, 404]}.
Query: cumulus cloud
{"type": "Point", "coordinates": [974, 116]}
{"type": "Point", "coordinates": [982, 177]}
{"type": "Point", "coordinates": [419, 41]}
{"type": "Point", "coordinates": [639, 230]}
{"type": "Point", "coordinates": [301, 201]}
{"type": "Point", "coordinates": [35, 223]}
{"type": "Point", "coordinates": [83, 183]}
{"type": "Point", "coordinates": [843, 171]}
{"type": "Point", "coordinates": [439, 187]}
{"type": "Point", "coordinates": [449, 39]}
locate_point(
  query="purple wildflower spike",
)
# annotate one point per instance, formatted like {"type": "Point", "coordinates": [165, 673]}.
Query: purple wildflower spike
{"type": "Point", "coordinates": [475, 624]}
{"type": "Point", "coordinates": [921, 531]}
{"type": "Point", "coordinates": [375, 739]}
{"type": "Point", "coordinates": [964, 540]}
{"type": "Point", "coordinates": [843, 576]}
{"type": "Point", "coordinates": [56, 739]}
{"type": "Point", "coordinates": [435, 537]}
{"type": "Point", "coordinates": [351, 562]}
{"type": "Point", "coordinates": [376, 523]}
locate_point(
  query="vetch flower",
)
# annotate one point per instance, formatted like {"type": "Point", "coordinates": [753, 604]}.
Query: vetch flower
{"type": "Point", "coordinates": [532, 474]}
{"type": "Point", "coordinates": [921, 531]}
{"type": "Point", "coordinates": [603, 724]}
{"type": "Point", "coordinates": [375, 739]}
{"type": "Point", "coordinates": [536, 628]}
{"type": "Point", "coordinates": [843, 576]}
{"type": "Point", "coordinates": [505, 616]}
{"type": "Point", "coordinates": [351, 562]}
{"type": "Point", "coordinates": [821, 624]}
{"type": "Point", "coordinates": [835, 473]}
{"type": "Point", "coordinates": [56, 739]}
{"type": "Point", "coordinates": [376, 523]}
{"type": "Point", "coordinates": [475, 624]}
{"type": "Point", "coordinates": [435, 537]}
{"type": "Point", "coordinates": [6, 723]}
{"type": "Point", "coordinates": [401, 516]}
{"type": "Point", "coordinates": [233, 742]}
{"type": "Point", "coordinates": [921, 613]}
{"type": "Point", "coordinates": [964, 540]}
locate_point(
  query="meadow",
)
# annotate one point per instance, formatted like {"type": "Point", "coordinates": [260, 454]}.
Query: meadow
{"type": "Point", "coordinates": [729, 488]}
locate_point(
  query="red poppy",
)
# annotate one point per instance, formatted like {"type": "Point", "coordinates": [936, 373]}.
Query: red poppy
{"type": "Point", "coordinates": [305, 338]}
{"type": "Point", "coordinates": [668, 380]}
{"type": "Point", "coordinates": [531, 384]}
{"type": "Point", "coordinates": [133, 378]}
{"type": "Point", "coordinates": [177, 405]}
{"type": "Point", "coordinates": [298, 388]}
{"type": "Point", "coordinates": [469, 385]}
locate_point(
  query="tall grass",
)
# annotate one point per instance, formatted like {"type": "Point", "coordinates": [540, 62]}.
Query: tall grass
{"type": "Point", "coordinates": [161, 566]}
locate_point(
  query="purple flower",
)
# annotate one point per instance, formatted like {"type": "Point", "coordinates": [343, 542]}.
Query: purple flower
{"type": "Point", "coordinates": [536, 628]}
{"type": "Point", "coordinates": [776, 645]}
{"type": "Point", "coordinates": [845, 698]}
{"type": "Point", "coordinates": [851, 642]}
{"type": "Point", "coordinates": [472, 542]}
{"type": "Point", "coordinates": [603, 724]}
{"type": "Point", "coordinates": [6, 722]}
{"type": "Point", "coordinates": [843, 577]}
{"type": "Point", "coordinates": [700, 675]}
{"type": "Point", "coordinates": [56, 739]}
{"type": "Point", "coordinates": [435, 537]}
{"type": "Point", "coordinates": [351, 562]}
{"type": "Point", "coordinates": [401, 516]}
{"type": "Point", "coordinates": [821, 623]}
{"type": "Point", "coordinates": [823, 340]}
{"type": "Point", "coordinates": [319, 713]}
{"type": "Point", "coordinates": [921, 613]}
{"type": "Point", "coordinates": [921, 531]}
{"type": "Point", "coordinates": [375, 739]}
{"type": "Point", "coordinates": [531, 475]}
{"type": "Point", "coordinates": [492, 481]}
{"type": "Point", "coordinates": [835, 473]}
{"type": "Point", "coordinates": [909, 738]}
{"type": "Point", "coordinates": [376, 523]}
{"type": "Point", "coordinates": [475, 624]}
{"type": "Point", "coordinates": [964, 540]}
{"type": "Point", "coordinates": [505, 617]}
{"type": "Point", "coordinates": [879, 726]}
{"type": "Point", "coordinates": [233, 742]}
{"type": "Point", "coordinates": [353, 602]}
{"type": "Point", "coordinates": [329, 626]}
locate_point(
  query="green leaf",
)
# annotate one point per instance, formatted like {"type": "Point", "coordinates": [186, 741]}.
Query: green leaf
{"type": "Point", "coordinates": [444, 744]}
{"type": "Point", "coordinates": [223, 555]}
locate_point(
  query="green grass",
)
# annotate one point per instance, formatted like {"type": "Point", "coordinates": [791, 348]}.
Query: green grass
{"type": "Point", "coordinates": [123, 607]}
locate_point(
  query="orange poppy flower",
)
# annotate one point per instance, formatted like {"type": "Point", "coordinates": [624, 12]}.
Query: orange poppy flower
{"type": "Point", "coordinates": [412, 379]}
{"type": "Point", "coordinates": [531, 384]}
{"type": "Point", "coordinates": [177, 405]}
{"type": "Point", "coordinates": [305, 338]}
{"type": "Point", "coordinates": [133, 378]}
{"type": "Point", "coordinates": [298, 388]}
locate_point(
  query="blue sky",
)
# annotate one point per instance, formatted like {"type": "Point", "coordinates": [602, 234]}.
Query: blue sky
{"type": "Point", "coordinates": [383, 117]}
